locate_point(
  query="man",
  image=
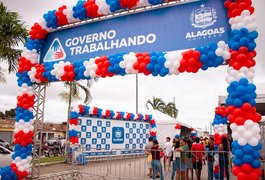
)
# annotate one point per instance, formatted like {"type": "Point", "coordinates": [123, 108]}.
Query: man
{"type": "Point", "coordinates": [197, 151]}
{"type": "Point", "coordinates": [167, 153]}
{"type": "Point", "coordinates": [210, 158]}
{"type": "Point", "coordinates": [147, 151]}
{"type": "Point", "coordinates": [156, 163]}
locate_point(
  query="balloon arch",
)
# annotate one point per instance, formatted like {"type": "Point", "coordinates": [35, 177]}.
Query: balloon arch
{"type": "Point", "coordinates": [240, 101]}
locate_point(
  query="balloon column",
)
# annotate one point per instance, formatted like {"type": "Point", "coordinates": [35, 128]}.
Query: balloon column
{"type": "Point", "coordinates": [178, 130]}
{"type": "Point", "coordinates": [241, 92]}
{"type": "Point", "coordinates": [220, 129]}
{"type": "Point", "coordinates": [109, 114]}
{"type": "Point", "coordinates": [155, 63]}
{"type": "Point", "coordinates": [193, 133]}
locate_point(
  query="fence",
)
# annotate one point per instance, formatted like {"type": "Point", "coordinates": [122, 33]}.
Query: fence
{"type": "Point", "coordinates": [132, 164]}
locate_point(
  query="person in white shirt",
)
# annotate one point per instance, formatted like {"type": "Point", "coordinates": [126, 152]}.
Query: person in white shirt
{"type": "Point", "coordinates": [167, 153]}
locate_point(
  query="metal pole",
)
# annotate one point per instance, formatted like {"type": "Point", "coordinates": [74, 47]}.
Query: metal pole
{"type": "Point", "coordinates": [67, 142]}
{"type": "Point", "coordinates": [137, 93]}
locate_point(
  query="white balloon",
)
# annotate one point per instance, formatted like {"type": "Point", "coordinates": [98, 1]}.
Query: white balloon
{"type": "Point", "coordinates": [248, 123]}
{"type": "Point", "coordinates": [248, 135]}
{"type": "Point", "coordinates": [233, 126]}
{"type": "Point", "coordinates": [254, 141]}
{"type": "Point", "coordinates": [235, 135]}
{"type": "Point", "coordinates": [242, 141]}
{"type": "Point", "coordinates": [245, 13]}
{"type": "Point", "coordinates": [241, 129]}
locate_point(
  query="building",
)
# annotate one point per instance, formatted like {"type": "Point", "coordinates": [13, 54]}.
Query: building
{"type": "Point", "coordinates": [50, 130]}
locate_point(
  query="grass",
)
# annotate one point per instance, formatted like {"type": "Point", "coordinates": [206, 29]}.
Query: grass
{"type": "Point", "coordinates": [52, 159]}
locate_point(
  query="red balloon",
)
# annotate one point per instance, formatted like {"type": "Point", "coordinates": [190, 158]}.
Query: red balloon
{"type": "Point", "coordinates": [242, 176]}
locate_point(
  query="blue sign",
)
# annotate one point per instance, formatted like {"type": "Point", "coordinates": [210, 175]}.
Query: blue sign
{"type": "Point", "coordinates": [117, 135]}
{"type": "Point", "coordinates": [178, 27]}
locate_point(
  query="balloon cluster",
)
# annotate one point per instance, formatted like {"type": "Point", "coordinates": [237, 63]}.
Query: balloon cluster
{"type": "Point", "coordinates": [244, 20]}
{"type": "Point", "coordinates": [79, 11]}
{"type": "Point", "coordinates": [240, 115]}
{"type": "Point", "coordinates": [91, 8]}
{"type": "Point", "coordinates": [246, 155]}
{"type": "Point", "coordinates": [23, 138]}
{"type": "Point", "coordinates": [63, 71]}
{"type": "Point", "coordinates": [22, 152]}
{"type": "Point", "coordinates": [157, 65]}
{"type": "Point", "coordinates": [236, 75]}
{"type": "Point", "coordinates": [25, 101]}
{"type": "Point", "coordinates": [173, 62]}
{"type": "Point", "coordinates": [24, 65]}
{"type": "Point", "coordinates": [241, 98]}
{"type": "Point", "coordinates": [32, 44]}
{"type": "Point", "coordinates": [220, 124]}
{"type": "Point", "coordinates": [141, 64]}
{"type": "Point", "coordinates": [37, 32]}
{"type": "Point", "coordinates": [36, 73]}
{"type": "Point", "coordinates": [242, 58]}
{"type": "Point", "coordinates": [193, 133]}
{"type": "Point", "coordinates": [243, 38]}
{"type": "Point", "coordinates": [7, 173]}
{"type": "Point", "coordinates": [248, 133]}
{"type": "Point", "coordinates": [178, 130]}
{"type": "Point", "coordinates": [24, 114]}
{"type": "Point", "coordinates": [128, 4]}
{"type": "Point", "coordinates": [128, 63]}
{"type": "Point", "coordinates": [190, 62]}
{"type": "Point", "coordinates": [51, 19]}
{"type": "Point", "coordinates": [109, 114]}
{"type": "Point", "coordinates": [235, 8]}
{"type": "Point", "coordinates": [114, 5]}
{"type": "Point", "coordinates": [114, 66]}
{"type": "Point", "coordinates": [102, 67]}
{"type": "Point", "coordinates": [91, 67]}
{"type": "Point", "coordinates": [213, 55]}
{"type": "Point", "coordinates": [30, 72]}
{"type": "Point", "coordinates": [61, 17]}
{"type": "Point", "coordinates": [241, 92]}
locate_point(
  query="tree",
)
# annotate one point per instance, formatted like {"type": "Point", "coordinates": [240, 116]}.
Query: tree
{"type": "Point", "coordinates": [10, 113]}
{"type": "Point", "coordinates": [155, 103]}
{"type": "Point", "coordinates": [166, 108]}
{"type": "Point", "coordinates": [75, 91]}
{"type": "Point", "coordinates": [2, 77]}
{"type": "Point", "coordinates": [171, 110]}
{"type": "Point", "coordinates": [12, 34]}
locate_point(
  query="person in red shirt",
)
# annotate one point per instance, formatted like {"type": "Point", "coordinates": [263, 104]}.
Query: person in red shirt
{"type": "Point", "coordinates": [156, 163]}
{"type": "Point", "coordinates": [197, 152]}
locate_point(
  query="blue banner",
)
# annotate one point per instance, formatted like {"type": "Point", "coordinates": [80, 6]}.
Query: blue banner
{"type": "Point", "coordinates": [173, 28]}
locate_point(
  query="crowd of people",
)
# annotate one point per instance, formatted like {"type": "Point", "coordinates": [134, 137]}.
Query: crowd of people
{"type": "Point", "coordinates": [182, 157]}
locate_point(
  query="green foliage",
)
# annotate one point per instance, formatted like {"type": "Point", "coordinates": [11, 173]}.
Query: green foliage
{"type": "Point", "coordinates": [12, 34]}
{"type": "Point", "coordinates": [167, 108]}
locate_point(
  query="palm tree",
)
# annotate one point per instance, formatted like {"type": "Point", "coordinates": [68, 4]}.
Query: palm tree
{"type": "Point", "coordinates": [12, 34]}
{"type": "Point", "coordinates": [155, 103]}
{"type": "Point", "coordinates": [171, 110]}
{"type": "Point", "coordinates": [158, 104]}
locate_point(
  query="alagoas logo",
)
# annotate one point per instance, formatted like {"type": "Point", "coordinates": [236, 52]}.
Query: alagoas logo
{"type": "Point", "coordinates": [55, 52]}
{"type": "Point", "coordinates": [203, 18]}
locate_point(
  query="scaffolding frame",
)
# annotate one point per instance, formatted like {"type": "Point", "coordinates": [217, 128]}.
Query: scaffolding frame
{"type": "Point", "coordinates": [39, 105]}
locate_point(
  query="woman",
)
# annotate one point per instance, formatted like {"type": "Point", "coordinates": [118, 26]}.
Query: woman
{"type": "Point", "coordinates": [223, 158]}
{"type": "Point", "coordinates": [180, 161]}
{"type": "Point", "coordinates": [198, 151]}
{"type": "Point", "coordinates": [156, 163]}
{"type": "Point", "coordinates": [175, 155]}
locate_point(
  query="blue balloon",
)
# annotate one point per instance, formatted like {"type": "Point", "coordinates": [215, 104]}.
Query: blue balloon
{"type": "Point", "coordinates": [248, 149]}
{"type": "Point", "coordinates": [241, 90]}
{"type": "Point", "coordinates": [237, 161]}
{"type": "Point", "coordinates": [237, 102]}
{"type": "Point", "coordinates": [247, 159]}
{"type": "Point", "coordinates": [239, 153]}
{"type": "Point", "coordinates": [256, 163]}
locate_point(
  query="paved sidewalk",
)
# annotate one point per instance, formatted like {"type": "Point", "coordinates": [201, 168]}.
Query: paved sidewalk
{"type": "Point", "coordinates": [132, 169]}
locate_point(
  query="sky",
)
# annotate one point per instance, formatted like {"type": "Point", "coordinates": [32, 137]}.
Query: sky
{"type": "Point", "coordinates": [196, 95]}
